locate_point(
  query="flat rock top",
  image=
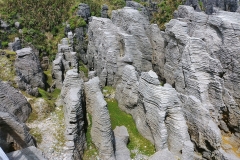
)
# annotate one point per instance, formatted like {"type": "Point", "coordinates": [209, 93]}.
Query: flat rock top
{"type": "Point", "coordinates": [24, 51]}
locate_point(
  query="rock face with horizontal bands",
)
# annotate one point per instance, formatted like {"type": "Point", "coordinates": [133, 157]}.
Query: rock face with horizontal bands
{"type": "Point", "coordinates": [74, 110]}
{"type": "Point", "coordinates": [101, 132]}
{"type": "Point", "coordinates": [121, 140]}
{"type": "Point", "coordinates": [14, 111]}
{"type": "Point", "coordinates": [155, 109]}
{"type": "Point", "coordinates": [202, 63]}
{"type": "Point", "coordinates": [29, 72]}
{"type": "Point", "coordinates": [115, 43]}
{"type": "Point", "coordinates": [64, 61]}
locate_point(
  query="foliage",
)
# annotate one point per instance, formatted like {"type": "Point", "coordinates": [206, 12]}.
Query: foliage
{"type": "Point", "coordinates": [91, 150]}
{"type": "Point", "coordinates": [165, 13]}
{"type": "Point", "coordinates": [35, 132]}
{"type": "Point", "coordinates": [7, 69]}
{"type": "Point", "coordinates": [83, 68]}
{"type": "Point", "coordinates": [120, 118]}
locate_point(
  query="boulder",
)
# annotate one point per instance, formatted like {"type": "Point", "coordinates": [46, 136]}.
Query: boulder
{"type": "Point", "coordinates": [29, 72]}
{"type": "Point", "coordinates": [101, 132]}
{"type": "Point", "coordinates": [163, 155]}
{"type": "Point", "coordinates": [16, 45]}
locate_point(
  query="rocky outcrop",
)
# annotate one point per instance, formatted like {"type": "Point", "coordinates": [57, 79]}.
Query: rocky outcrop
{"type": "Point", "coordinates": [212, 6]}
{"type": "Point", "coordinates": [16, 45]}
{"type": "Point", "coordinates": [14, 111]}
{"type": "Point", "coordinates": [121, 140]}
{"type": "Point", "coordinates": [101, 132]}
{"type": "Point", "coordinates": [104, 11]}
{"type": "Point", "coordinates": [74, 112]}
{"type": "Point", "coordinates": [65, 59]}
{"type": "Point", "coordinates": [163, 154]}
{"type": "Point", "coordinates": [29, 71]}
{"type": "Point", "coordinates": [114, 44]}
{"type": "Point", "coordinates": [27, 153]}
{"type": "Point", "coordinates": [201, 62]}
{"type": "Point", "coordinates": [155, 109]}
{"type": "Point", "coordinates": [84, 11]}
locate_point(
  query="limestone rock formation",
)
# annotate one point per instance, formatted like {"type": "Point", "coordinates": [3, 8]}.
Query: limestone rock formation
{"type": "Point", "coordinates": [155, 109]}
{"type": "Point", "coordinates": [121, 139]}
{"type": "Point", "coordinates": [201, 62]}
{"type": "Point", "coordinates": [101, 132]}
{"type": "Point", "coordinates": [74, 112]}
{"type": "Point", "coordinates": [114, 44]}
{"type": "Point", "coordinates": [104, 11]}
{"type": "Point", "coordinates": [163, 154]}
{"type": "Point", "coordinates": [211, 6]}
{"type": "Point", "coordinates": [14, 111]}
{"type": "Point", "coordinates": [26, 154]}
{"type": "Point", "coordinates": [65, 60]}
{"type": "Point", "coordinates": [29, 72]}
{"type": "Point", "coordinates": [84, 11]}
{"type": "Point", "coordinates": [16, 45]}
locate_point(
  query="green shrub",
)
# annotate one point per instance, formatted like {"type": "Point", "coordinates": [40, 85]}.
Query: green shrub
{"type": "Point", "coordinates": [4, 44]}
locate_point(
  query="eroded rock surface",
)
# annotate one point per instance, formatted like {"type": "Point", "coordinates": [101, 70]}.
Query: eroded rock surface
{"type": "Point", "coordinates": [121, 140]}
{"type": "Point", "coordinates": [155, 109]}
{"type": "Point", "coordinates": [29, 72]}
{"type": "Point", "coordinates": [202, 63]}
{"type": "Point", "coordinates": [14, 111]}
{"type": "Point", "coordinates": [114, 44]}
{"type": "Point", "coordinates": [101, 132]}
{"type": "Point", "coordinates": [74, 113]}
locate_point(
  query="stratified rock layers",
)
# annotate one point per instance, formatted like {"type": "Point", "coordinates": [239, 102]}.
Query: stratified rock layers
{"type": "Point", "coordinates": [74, 111]}
{"type": "Point", "coordinates": [101, 132]}
{"type": "Point", "coordinates": [14, 111]}
{"type": "Point", "coordinates": [29, 71]}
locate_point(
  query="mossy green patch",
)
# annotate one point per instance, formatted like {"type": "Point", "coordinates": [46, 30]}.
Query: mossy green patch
{"type": "Point", "coordinates": [35, 132]}
{"type": "Point", "coordinates": [83, 68]}
{"type": "Point", "coordinates": [91, 150]}
{"type": "Point", "coordinates": [120, 118]}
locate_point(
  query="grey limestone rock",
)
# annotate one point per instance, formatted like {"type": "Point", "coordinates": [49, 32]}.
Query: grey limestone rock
{"type": "Point", "coordinates": [211, 6]}
{"type": "Point", "coordinates": [84, 11]}
{"type": "Point", "coordinates": [163, 155]}
{"type": "Point", "coordinates": [29, 72]}
{"type": "Point", "coordinates": [156, 111]}
{"type": "Point", "coordinates": [14, 111]}
{"type": "Point", "coordinates": [65, 60]}
{"type": "Point", "coordinates": [30, 153]}
{"type": "Point", "coordinates": [104, 11]}
{"type": "Point", "coordinates": [16, 45]}
{"type": "Point", "coordinates": [74, 110]}
{"type": "Point", "coordinates": [101, 132]}
{"type": "Point", "coordinates": [201, 62]}
{"type": "Point", "coordinates": [114, 44]}
{"type": "Point", "coordinates": [121, 140]}
{"type": "Point", "coordinates": [138, 7]}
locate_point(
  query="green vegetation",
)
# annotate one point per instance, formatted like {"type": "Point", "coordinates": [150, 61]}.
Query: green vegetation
{"type": "Point", "coordinates": [35, 132]}
{"type": "Point", "coordinates": [91, 150]}
{"type": "Point", "coordinates": [165, 13]}
{"type": "Point", "coordinates": [120, 118]}
{"type": "Point", "coordinates": [60, 136]}
{"type": "Point", "coordinates": [7, 69]}
{"type": "Point", "coordinates": [83, 68]}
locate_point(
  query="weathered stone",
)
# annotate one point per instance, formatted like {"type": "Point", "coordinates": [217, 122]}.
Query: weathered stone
{"type": "Point", "coordinates": [29, 71]}
{"type": "Point", "coordinates": [155, 109]}
{"type": "Point", "coordinates": [104, 11]}
{"type": "Point", "coordinates": [84, 11]}
{"type": "Point", "coordinates": [16, 45]}
{"type": "Point", "coordinates": [14, 111]}
{"type": "Point", "coordinates": [163, 155]}
{"type": "Point", "coordinates": [121, 139]}
{"type": "Point", "coordinates": [101, 132]}
{"type": "Point", "coordinates": [26, 154]}
{"type": "Point", "coordinates": [74, 110]}
{"type": "Point", "coordinates": [114, 44]}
